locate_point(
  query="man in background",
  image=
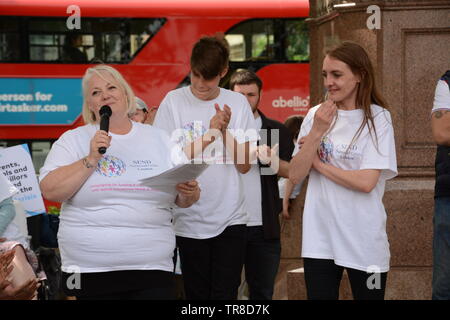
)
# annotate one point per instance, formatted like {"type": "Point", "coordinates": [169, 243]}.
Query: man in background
{"type": "Point", "coordinates": [263, 203]}
{"type": "Point", "coordinates": [143, 114]}
{"type": "Point", "coordinates": [440, 124]}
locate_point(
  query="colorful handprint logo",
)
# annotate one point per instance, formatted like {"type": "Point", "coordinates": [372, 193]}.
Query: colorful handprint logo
{"type": "Point", "coordinates": [191, 131]}
{"type": "Point", "coordinates": [326, 149]}
{"type": "Point", "coordinates": [110, 166]}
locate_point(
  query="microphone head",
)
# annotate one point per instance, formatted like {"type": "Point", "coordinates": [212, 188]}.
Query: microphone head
{"type": "Point", "coordinates": [105, 111]}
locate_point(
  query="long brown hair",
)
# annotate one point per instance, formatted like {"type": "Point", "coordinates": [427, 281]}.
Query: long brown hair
{"type": "Point", "coordinates": [367, 93]}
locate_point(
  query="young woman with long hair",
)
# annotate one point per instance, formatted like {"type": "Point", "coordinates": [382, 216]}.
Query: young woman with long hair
{"type": "Point", "coordinates": [348, 150]}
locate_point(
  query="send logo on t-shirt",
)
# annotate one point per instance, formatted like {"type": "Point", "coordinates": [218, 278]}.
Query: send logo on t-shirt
{"type": "Point", "coordinates": [326, 149]}
{"type": "Point", "coordinates": [110, 166]}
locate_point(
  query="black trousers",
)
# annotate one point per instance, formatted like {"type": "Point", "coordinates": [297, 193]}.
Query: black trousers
{"type": "Point", "coordinates": [323, 278]}
{"type": "Point", "coordinates": [262, 259]}
{"type": "Point", "coordinates": [121, 285]}
{"type": "Point", "coordinates": [212, 267]}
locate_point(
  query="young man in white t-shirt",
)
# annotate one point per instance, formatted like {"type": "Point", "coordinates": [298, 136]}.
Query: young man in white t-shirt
{"type": "Point", "coordinates": [440, 124]}
{"type": "Point", "coordinates": [215, 126]}
{"type": "Point", "coordinates": [264, 205]}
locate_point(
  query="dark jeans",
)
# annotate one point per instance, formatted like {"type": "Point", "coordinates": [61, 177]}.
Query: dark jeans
{"type": "Point", "coordinates": [262, 259]}
{"type": "Point", "coordinates": [323, 278]}
{"type": "Point", "coordinates": [212, 267]}
{"type": "Point", "coordinates": [441, 249]}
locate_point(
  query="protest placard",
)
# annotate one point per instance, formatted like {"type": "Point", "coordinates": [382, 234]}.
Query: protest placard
{"type": "Point", "coordinates": [17, 166]}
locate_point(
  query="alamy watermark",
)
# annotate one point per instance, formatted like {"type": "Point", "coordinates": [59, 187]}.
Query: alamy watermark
{"type": "Point", "coordinates": [74, 20]}
{"type": "Point", "coordinates": [218, 152]}
{"type": "Point", "coordinates": [374, 280]}
{"type": "Point", "coordinates": [374, 20]}
{"type": "Point", "coordinates": [74, 280]}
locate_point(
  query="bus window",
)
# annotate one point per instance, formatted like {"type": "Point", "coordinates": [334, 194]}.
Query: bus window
{"type": "Point", "coordinates": [297, 40]}
{"type": "Point", "coordinates": [108, 40]}
{"type": "Point", "coordinates": [39, 150]}
{"type": "Point", "coordinates": [251, 40]}
{"type": "Point", "coordinates": [274, 40]}
{"type": "Point", "coordinates": [9, 39]}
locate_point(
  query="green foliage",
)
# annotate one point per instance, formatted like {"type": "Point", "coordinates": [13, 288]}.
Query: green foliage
{"type": "Point", "coordinates": [54, 210]}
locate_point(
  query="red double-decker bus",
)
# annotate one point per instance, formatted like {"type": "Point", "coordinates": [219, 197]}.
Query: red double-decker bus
{"type": "Point", "coordinates": [46, 46]}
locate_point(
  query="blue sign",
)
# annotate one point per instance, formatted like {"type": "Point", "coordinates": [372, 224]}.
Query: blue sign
{"type": "Point", "coordinates": [40, 101]}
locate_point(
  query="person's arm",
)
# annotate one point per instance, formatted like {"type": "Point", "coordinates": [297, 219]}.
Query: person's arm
{"type": "Point", "coordinates": [358, 180]}
{"type": "Point", "coordinates": [440, 126]}
{"type": "Point", "coordinates": [197, 147]}
{"type": "Point", "coordinates": [283, 170]}
{"type": "Point", "coordinates": [62, 183]}
{"type": "Point", "coordinates": [188, 194]}
{"type": "Point", "coordinates": [26, 291]}
{"type": "Point", "coordinates": [440, 117]}
{"type": "Point", "coordinates": [270, 158]}
{"type": "Point", "coordinates": [288, 188]}
{"type": "Point", "coordinates": [301, 164]}
{"type": "Point", "coordinates": [285, 151]}
{"type": "Point", "coordinates": [240, 152]}
{"type": "Point", "coordinates": [216, 125]}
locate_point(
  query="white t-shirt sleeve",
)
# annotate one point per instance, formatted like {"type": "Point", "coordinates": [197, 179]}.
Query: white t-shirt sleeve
{"type": "Point", "coordinates": [164, 118]}
{"type": "Point", "coordinates": [381, 156]}
{"type": "Point", "coordinates": [307, 123]}
{"type": "Point", "coordinates": [61, 154]}
{"type": "Point", "coordinates": [441, 97]}
{"type": "Point", "coordinates": [244, 125]}
{"type": "Point", "coordinates": [304, 129]}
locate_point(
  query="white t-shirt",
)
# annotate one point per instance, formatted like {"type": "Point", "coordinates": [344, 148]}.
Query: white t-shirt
{"type": "Point", "coordinates": [221, 204]}
{"type": "Point", "coordinates": [441, 97]}
{"type": "Point", "coordinates": [348, 226]}
{"type": "Point", "coordinates": [252, 190]}
{"type": "Point", "coordinates": [114, 223]}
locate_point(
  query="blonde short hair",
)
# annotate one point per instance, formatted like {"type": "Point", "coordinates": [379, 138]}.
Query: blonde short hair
{"type": "Point", "coordinates": [88, 115]}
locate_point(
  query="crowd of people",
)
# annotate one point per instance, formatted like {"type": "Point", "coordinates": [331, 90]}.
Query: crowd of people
{"type": "Point", "coordinates": [117, 237]}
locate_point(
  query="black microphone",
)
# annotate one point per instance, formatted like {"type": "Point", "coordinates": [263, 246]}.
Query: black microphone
{"type": "Point", "coordinates": [105, 113]}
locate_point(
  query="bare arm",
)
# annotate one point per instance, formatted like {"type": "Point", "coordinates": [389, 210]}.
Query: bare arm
{"type": "Point", "coordinates": [288, 188]}
{"type": "Point", "coordinates": [359, 180]}
{"type": "Point", "coordinates": [301, 164]}
{"type": "Point", "coordinates": [270, 157]}
{"type": "Point", "coordinates": [197, 147]}
{"type": "Point", "coordinates": [62, 183]}
{"type": "Point", "coordinates": [440, 126]}
{"type": "Point", "coordinates": [216, 125]}
{"type": "Point", "coordinates": [283, 171]}
{"type": "Point", "coordinates": [240, 153]}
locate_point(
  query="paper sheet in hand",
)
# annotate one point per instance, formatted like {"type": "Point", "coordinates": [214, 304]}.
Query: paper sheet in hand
{"type": "Point", "coordinates": [167, 180]}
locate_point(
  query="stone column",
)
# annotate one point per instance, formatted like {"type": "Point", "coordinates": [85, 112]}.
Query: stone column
{"type": "Point", "coordinates": [409, 43]}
